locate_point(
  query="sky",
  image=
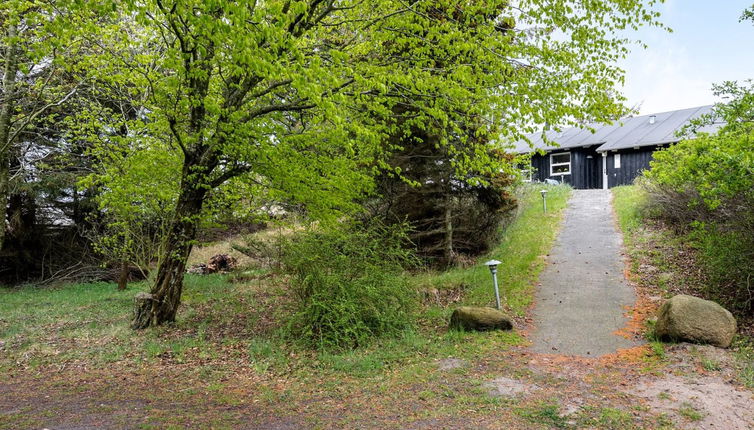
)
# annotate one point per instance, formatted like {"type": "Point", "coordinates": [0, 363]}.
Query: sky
{"type": "Point", "coordinates": [708, 45]}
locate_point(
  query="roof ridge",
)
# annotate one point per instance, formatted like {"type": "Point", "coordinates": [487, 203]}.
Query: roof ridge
{"type": "Point", "coordinates": [673, 110]}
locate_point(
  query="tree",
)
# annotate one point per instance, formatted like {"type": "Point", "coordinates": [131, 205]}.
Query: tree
{"type": "Point", "coordinates": [478, 75]}
{"type": "Point", "coordinates": [233, 87]}
{"type": "Point", "coordinates": [299, 97]}
{"type": "Point", "coordinates": [451, 216]}
{"type": "Point", "coordinates": [33, 83]}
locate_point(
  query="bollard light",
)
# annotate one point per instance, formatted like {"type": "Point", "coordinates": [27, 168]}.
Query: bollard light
{"type": "Point", "coordinates": [544, 200]}
{"type": "Point", "coordinates": [492, 264]}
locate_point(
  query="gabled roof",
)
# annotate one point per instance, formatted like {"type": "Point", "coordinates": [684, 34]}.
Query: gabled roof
{"type": "Point", "coordinates": [625, 133]}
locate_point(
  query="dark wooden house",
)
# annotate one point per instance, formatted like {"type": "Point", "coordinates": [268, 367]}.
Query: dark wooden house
{"type": "Point", "coordinates": [612, 154]}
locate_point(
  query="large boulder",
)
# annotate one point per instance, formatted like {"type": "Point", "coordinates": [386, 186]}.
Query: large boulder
{"type": "Point", "coordinates": [479, 319]}
{"type": "Point", "coordinates": [695, 320]}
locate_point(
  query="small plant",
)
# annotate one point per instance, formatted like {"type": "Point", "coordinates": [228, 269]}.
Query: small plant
{"type": "Point", "coordinates": [611, 418]}
{"type": "Point", "coordinates": [658, 349]}
{"type": "Point", "coordinates": [746, 374]}
{"type": "Point", "coordinates": [711, 365]}
{"type": "Point", "coordinates": [349, 285]}
{"type": "Point", "coordinates": [544, 413]}
{"type": "Point", "coordinates": [688, 411]}
{"type": "Point", "coordinates": [664, 422]}
{"type": "Point", "coordinates": [745, 358]}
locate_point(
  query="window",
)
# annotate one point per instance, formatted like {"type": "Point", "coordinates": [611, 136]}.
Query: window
{"type": "Point", "coordinates": [560, 164]}
{"type": "Point", "coordinates": [616, 161]}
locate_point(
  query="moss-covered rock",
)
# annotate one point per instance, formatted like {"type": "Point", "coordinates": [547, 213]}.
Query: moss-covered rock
{"type": "Point", "coordinates": [695, 320]}
{"type": "Point", "coordinates": [480, 319]}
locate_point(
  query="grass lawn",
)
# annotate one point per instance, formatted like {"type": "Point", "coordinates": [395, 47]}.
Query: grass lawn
{"type": "Point", "coordinates": [69, 360]}
{"type": "Point", "coordinates": [89, 322]}
{"type": "Point", "coordinates": [228, 328]}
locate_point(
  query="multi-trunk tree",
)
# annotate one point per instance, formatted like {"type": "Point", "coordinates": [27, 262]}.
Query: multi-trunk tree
{"type": "Point", "coordinates": [304, 99]}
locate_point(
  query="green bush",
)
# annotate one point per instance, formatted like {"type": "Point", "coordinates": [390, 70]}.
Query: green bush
{"type": "Point", "coordinates": [705, 187]}
{"type": "Point", "coordinates": [349, 285]}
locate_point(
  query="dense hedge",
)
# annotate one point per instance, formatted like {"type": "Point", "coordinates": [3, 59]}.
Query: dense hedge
{"type": "Point", "coordinates": [705, 186]}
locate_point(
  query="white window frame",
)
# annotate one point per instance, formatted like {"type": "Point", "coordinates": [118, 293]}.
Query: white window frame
{"type": "Point", "coordinates": [552, 172]}
{"type": "Point", "coordinates": [616, 161]}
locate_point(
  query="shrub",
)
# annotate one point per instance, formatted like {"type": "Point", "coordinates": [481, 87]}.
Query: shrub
{"type": "Point", "coordinates": [349, 285]}
{"type": "Point", "coordinates": [705, 187]}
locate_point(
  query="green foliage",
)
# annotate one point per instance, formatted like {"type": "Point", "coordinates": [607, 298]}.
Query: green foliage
{"type": "Point", "coordinates": [275, 86]}
{"type": "Point", "coordinates": [705, 186]}
{"type": "Point", "coordinates": [298, 100]}
{"type": "Point", "coordinates": [453, 217]}
{"type": "Point", "coordinates": [232, 76]}
{"type": "Point", "coordinates": [658, 349]}
{"type": "Point", "coordinates": [349, 285]}
{"type": "Point", "coordinates": [136, 205]}
{"type": "Point", "coordinates": [745, 357]}
{"type": "Point", "coordinates": [711, 365]}
{"type": "Point", "coordinates": [717, 172]}
{"type": "Point", "coordinates": [38, 167]}
{"type": "Point", "coordinates": [748, 14]}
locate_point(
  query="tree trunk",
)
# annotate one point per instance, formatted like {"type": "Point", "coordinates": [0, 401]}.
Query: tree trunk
{"type": "Point", "coordinates": [161, 305]}
{"type": "Point", "coordinates": [6, 112]}
{"type": "Point", "coordinates": [123, 277]}
{"type": "Point", "coordinates": [448, 239]}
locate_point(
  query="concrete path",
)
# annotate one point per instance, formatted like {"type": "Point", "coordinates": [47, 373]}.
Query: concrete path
{"type": "Point", "coordinates": [583, 293]}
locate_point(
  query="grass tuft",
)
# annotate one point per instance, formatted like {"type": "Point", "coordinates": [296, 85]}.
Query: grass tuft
{"type": "Point", "coordinates": [544, 413]}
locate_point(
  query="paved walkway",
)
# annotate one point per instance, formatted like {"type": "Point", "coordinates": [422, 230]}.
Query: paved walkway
{"type": "Point", "coordinates": [583, 293]}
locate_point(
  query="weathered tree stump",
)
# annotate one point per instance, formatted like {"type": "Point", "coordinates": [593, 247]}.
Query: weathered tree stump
{"type": "Point", "coordinates": [142, 311]}
{"type": "Point", "coordinates": [480, 319]}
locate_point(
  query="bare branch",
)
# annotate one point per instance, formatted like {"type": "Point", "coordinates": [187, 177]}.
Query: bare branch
{"type": "Point", "coordinates": [34, 115]}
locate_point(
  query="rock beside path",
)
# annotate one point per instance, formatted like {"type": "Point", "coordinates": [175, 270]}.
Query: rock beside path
{"type": "Point", "coordinates": [480, 319]}
{"type": "Point", "coordinates": [695, 320]}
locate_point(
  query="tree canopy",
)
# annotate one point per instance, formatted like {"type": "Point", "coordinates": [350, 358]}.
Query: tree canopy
{"type": "Point", "coordinates": [301, 101]}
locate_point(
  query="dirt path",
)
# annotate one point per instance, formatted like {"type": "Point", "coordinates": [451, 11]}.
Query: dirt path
{"type": "Point", "coordinates": [583, 294]}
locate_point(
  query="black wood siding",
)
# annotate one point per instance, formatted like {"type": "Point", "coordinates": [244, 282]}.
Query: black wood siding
{"type": "Point", "coordinates": [632, 163]}
{"type": "Point", "coordinates": [586, 168]}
